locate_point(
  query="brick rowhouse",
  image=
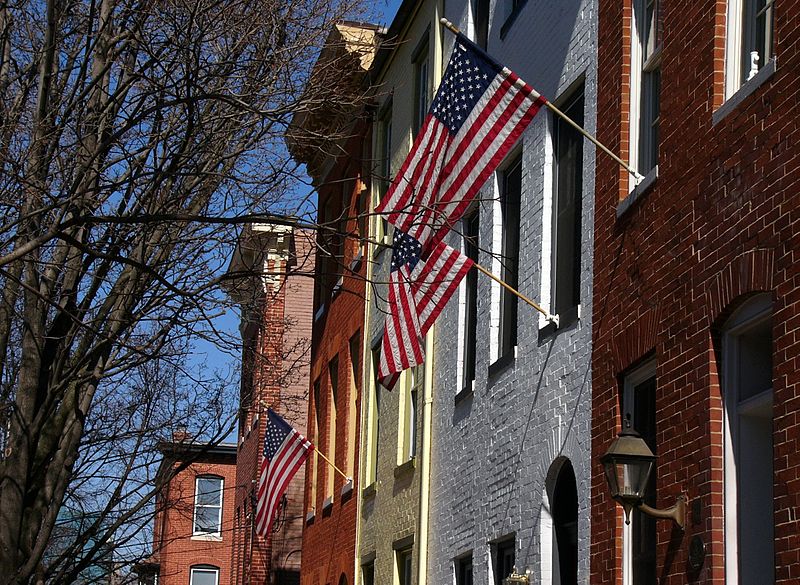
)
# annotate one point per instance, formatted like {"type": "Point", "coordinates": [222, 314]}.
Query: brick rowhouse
{"type": "Point", "coordinates": [276, 333]}
{"type": "Point", "coordinates": [679, 262]}
{"type": "Point", "coordinates": [329, 536]}
{"type": "Point", "coordinates": [176, 545]}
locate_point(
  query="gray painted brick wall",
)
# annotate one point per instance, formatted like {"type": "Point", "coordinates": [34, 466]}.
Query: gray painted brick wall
{"type": "Point", "coordinates": [492, 451]}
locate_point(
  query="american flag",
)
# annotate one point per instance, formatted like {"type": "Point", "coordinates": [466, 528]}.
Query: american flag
{"type": "Point", "coordinates": [285, 451]}
{"type": "Point", "coordinates": [479, 112]}
{"type": "Point", "coordinates": [418, 291]}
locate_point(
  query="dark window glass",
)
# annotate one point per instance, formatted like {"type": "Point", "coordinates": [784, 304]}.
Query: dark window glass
{"type": "Point", "coordinates": [504, 560]}
{"type": "Point", "coordinates": [404, 571]}
{"type": "Point", "coordinates": [565, 522]}
{"type": "Point", "coordinates": [510, 197]}
{"type": "Point", "coordinates": [568, 148]}
{"type": "Point", "coordinates": [471, 223]}
{"type": "Point", "coordinates": [480, 16]}
{"type": "Point", "coordinates": [464, 570]}
{"type": "Point", "coordinates": [368, 574]}
{"type": "Point", "coordinates": [644, 527]}
{"type": "Point", "coordinates": [421, 70]}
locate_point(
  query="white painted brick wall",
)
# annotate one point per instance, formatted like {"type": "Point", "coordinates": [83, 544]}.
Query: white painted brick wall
{"type": "Point", "coordinates": [492, 452]}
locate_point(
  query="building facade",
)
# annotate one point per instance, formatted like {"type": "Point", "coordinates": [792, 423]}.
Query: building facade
{"type": "Point", "coordinates": [696, 289]}
{"type": "Point", "coordinates": [511, 443]}
{"type": "Point", "coordinates": [269, 280]}
{"type": "Point", "coordinates": [395, 429]}
{"type": "Point", "coordinates": [334, 406]}
{"type": "Point", "coordinates": [193, 528]}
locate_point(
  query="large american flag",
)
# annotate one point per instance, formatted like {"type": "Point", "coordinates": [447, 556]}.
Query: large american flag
{"type": "Point", "coordinates": [419, 288]}
{"type": "Point", "coordinates": [285, 450]}
{"type": "Point", "coordinates": [479, 112]}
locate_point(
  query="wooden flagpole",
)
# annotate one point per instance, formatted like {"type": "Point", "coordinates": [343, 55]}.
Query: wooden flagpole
{"type": "Point", "coordinates": [329, 462]}
{"type": "Point", "coordinates": [637, 177]}
{"type": "Point", "coordinates": [550, 317]}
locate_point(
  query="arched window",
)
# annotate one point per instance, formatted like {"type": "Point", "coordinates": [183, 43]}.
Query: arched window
{"type": "Point", "coordinates": [747, 400]}
{"type": "Point", "coordinates": [204, 575]}
{"type": "Point", "coordinates": [343, 579]}
{"type": "Point", "coordinates": [559, 526]}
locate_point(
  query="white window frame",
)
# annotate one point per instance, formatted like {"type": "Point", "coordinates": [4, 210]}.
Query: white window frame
{"type": "Point", "coordinates": [212, 570]}
{"type": "Point", "coordinates": [631, 381]}
{"type": "Point", "coordinates": [736, 30]}
{"type": "Point", "coordinates": [753, 314]}
{"type": "Point", "coordinates": [636, 80]}
{"type": "Point", "coordinates": [201, 533]}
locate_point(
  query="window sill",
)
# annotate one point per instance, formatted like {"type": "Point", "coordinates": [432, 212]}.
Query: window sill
{"type": "Point", "coordinates": [766, 72]}
{"type": "Point", "coordinates": [565, 319]}
{"type": "Point", "coordinates": [369, 491]}
{"type": "Point", "coordinates": [207, 537]}
{"type": "Point", "coordinates": [405, 468]}
{"type": "Point", "coordinates": [465, 392]}
{"type": "Point", "coordinates": [638, 192]}
{"type": "Point", "coordinates": [511, 18]}
{"type": "Point", "coordinates": [319, 313]}
{"type": "Point", "coordinates": [347, 488]}
{"type": "Point", "coordinates": [310, 516]}
{"type": "Point", "coordinates": [327, 505]}
{"type": "Point", "coordinates": [502, 363]}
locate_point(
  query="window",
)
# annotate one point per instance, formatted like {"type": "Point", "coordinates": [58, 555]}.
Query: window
{"type": "Point", "coordinates": [749, 41]}
{"type": "Point", "coordinates": [421, 90]}
{"type": "Point", "coordinates": [464, 570]}
{"type": "Point", "coordinates": [503, 560]}
{"type": "Point", "coordinates": [645, 84]}
{"type": "Point", "coordinates": [373, 422]}
{"type": "Point", "coordinates": [208, 506]}
{"type": "Point", "coordinates": [568, 188]}
{"type": "Point", "coordinates": [352, 416]}
{"type": "Point", "coordinates": [404, 565]}
{"type": "Point", "coordinates": [203, 575]}
{"type": "Point", "coordinates": [747, 399]}
{"type": "Point", "coordinates": [368, 574]}
{"type": "Point", "coordinates": [384, 168]}
{"type": "Point", "coordinates": [333, 381]}
{"type": "Point", "coordinates": [480, 18]}
{"type": "Point", "coordinates": [639, 537]}
{"type": "Point", "coordinates": [470, 312]}
{"type": "Point", "coordinates": [314, 459]}
{"type": "Point", "coordinates": [510, 195]}
{"type": "Point", "coordinates": [414, 380]}
{"type": "Point", "coordinates": [565, 525]}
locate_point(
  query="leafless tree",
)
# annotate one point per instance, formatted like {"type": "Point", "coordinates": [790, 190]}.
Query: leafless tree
{"type": "Point", "coordinates": [134, 136]}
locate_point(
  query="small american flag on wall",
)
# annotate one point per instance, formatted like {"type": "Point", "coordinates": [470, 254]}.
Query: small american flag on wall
{"type": "Point", "coordinates": [285, 451]}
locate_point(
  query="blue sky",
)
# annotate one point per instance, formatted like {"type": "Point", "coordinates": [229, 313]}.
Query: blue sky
{"type": "Point", "coordinates": [206, 354]}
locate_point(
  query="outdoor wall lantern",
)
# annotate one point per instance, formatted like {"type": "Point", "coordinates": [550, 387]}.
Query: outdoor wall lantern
{"type": "Point", "coordinates": [628, 464]}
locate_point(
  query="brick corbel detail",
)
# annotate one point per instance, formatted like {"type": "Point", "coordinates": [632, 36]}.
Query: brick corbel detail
{"type": "Point", "coordinates": [750, 272]}
{"type": "Point", "coordinates": [638, 339]}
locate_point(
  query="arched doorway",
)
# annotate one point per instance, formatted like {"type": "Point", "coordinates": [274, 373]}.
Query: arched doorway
{"type": "Point", "coordinates": [559, 526]}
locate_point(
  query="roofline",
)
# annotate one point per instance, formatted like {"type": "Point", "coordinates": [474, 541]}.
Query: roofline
{"type": "Point", "coordinates": [403, 17]}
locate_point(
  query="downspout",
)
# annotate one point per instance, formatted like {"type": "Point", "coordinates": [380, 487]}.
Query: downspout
{"type": "Point", "coordinates": [430, 351]}
{"type": "Point", "coordinates": [425, 464]}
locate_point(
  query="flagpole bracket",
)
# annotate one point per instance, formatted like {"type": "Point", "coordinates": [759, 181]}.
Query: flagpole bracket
{"type": "Point", "coordinates": [553, 319]}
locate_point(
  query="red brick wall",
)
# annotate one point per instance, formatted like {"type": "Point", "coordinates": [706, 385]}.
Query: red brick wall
{"type": "Point", "coordinates": [329, 538]}
{"type": "Point", "coordinates": [177, 549]}
{"type": "Point", "coordinates": [280, 380]}
{"type": "Point", "coordinates": [721, 221]}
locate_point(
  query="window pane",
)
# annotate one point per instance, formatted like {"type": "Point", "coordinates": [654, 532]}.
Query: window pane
{"type": "Point", "coordinates": [471, 298]}
{"type": "Point", "coordinates": [368, 574]}
{"type": "Point", "coordinates": [567, 208]}
{"type": "Point", "coordinates": [510, 206]}
{"type": "Point", "coordinates": [209, 491]}
{"type": "Point", "coordinates": [504, 561]}
{"type": "Point", "coordinates": [204, 577]}
{"type": "Point", "coordinates": [206, 520]}
{"type": "Point", "coordinates": [464, 571]}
